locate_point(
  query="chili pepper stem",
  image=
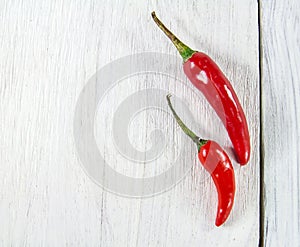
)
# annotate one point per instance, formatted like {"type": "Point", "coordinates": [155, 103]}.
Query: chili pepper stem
{"type": "Point", "coordinates": [185, 51]}
{"type": "Point", "coordinates": [199, 142]}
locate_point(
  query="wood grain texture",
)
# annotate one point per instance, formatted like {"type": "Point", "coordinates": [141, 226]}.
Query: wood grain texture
{"type": "Point", "coordinates": [281, 112]}
{"type": "Point", "coordinates": [49, 50]}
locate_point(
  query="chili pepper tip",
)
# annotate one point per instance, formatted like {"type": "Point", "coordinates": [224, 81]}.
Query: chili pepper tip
{"type": "Point", "coordinates": [153, 14]}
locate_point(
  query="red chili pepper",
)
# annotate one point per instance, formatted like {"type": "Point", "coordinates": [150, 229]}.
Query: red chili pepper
{"type": "Point", "coordinates": [205, 74]}
{"type": "Point", "coordinates": [217, 163]}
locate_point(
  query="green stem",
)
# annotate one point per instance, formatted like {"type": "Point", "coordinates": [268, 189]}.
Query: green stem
{"type": "Point", "coordinates": [183, 49]}
{"type": "Point", "coordinates": [199, 142]}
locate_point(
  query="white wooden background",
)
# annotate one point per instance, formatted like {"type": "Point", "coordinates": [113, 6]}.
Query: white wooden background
{"type": "Point", "coordinates": [49, 50]}
{"type": "Point", "coordinates": [281, 112]}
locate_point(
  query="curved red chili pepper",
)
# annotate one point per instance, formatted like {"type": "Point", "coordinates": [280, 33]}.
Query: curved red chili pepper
{"type": "Point", "coordinates": [217, 163]}
{"type": "Point", "coordinates": [206, 76]}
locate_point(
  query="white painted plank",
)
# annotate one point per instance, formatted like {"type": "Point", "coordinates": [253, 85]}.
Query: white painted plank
{"type": "Point", "coordinates": [281, 112]}
{"type": "Point", "coordinates": [49, 50]}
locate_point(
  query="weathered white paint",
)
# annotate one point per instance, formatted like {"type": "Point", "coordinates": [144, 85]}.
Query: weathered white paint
{"type": "Point", "coordinates": [49, 49]}
{"type": "Point", "coordinates": [281, 112]}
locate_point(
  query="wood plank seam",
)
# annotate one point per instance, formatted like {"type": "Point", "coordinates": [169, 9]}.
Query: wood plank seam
{"type": "Point", "coordinates": [261, 141]}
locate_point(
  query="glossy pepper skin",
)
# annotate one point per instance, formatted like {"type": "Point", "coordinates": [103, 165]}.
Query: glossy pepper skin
{"type": "Point", "coordinates": [217, 163]}
{"type": "Point", "coordinates": [207, 77]}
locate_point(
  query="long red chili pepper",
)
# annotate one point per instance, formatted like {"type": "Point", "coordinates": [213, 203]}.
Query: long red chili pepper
{"type": "Point", "coordinates": [217, 163]}
{"type": "Point", "coordinates": [205, 74]}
